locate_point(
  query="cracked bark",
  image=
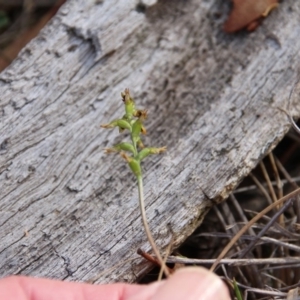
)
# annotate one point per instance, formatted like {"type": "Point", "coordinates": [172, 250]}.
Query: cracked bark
{"type": "Point", "coordinates": [212, 100]}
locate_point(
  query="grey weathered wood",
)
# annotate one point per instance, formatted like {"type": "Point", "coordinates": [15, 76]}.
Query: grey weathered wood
{"type": "Point", "coordinates": [213, 101]}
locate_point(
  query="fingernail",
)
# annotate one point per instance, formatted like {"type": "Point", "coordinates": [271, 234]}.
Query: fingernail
{"type": "Point", "coordinates": [203, 284]}
{"type": "Point", "coordinates": [192, 283]}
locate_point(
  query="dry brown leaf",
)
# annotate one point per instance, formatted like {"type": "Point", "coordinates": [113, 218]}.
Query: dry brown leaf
{"type": "Point", "coordinates": [247, 13]}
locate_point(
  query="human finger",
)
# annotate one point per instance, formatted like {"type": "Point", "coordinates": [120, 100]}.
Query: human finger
{"type": "Point", "coordinates": [27, 288]}
{"type": "Point", "coordinates": [192, 283]}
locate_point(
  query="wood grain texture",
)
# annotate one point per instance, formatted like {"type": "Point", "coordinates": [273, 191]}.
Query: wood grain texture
{"type": "Point", "coordinates": [212, 100]}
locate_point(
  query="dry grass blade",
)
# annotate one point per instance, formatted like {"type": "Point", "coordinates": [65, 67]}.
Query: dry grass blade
{"type": "Point", "coordinates": [261, 240]}
{"type": "Point", "coordinates": [168, 251]}
{"type": "Point", "coordinates": [240, 212]}
{"type": "Point", "coordinates": [291, 195]}
{"type": "Point", "coordinates": [265, 229]}
{"type": "Point", "coordinates": [291, 180]}
{"type": "Point", "coordinates": [227, 217]}
{"type": "Point", "coordinates": [261, 187]}
{"type": "Point", "coordinates": [236, 261]}
{"type": "Point", "coordinates": [265, 292]}
{"type": "Point", "coordinates": [254, 187]}
{"type": "Point", "coordinates": [277, 176]}
{"type": "Point", "coordinates": [294, 266]}
{"type": "Point", "coordinates": [293, 183]}
{"type": "Point", "coordinates": [270, 186]}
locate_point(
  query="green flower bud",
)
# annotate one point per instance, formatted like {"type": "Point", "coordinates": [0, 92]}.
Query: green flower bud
{"type": "Point", "coordinates": [141, 114]}
{"type": "Point", "coordinates": [129, 104]}
{"type": "Point", "coordinates": [135, 167]}
{"type": "Point", "coordinates": [121, 123]}
{"type": "Point", "coordinates": [140, 144]}
{"type": "Point", "coordinates": [133, 164]}
{"type": "Point", "coordinates": [143, 130]}
{"type": "Point", "coordinates": [125, 147]}
{"type": "Point", "coordinates": [137, 128]}
{"type": "Point", "coordinates": [147, 151]}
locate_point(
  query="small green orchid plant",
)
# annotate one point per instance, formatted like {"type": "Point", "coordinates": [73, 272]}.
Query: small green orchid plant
{"type": "Point", "coordinates": [133, 122]}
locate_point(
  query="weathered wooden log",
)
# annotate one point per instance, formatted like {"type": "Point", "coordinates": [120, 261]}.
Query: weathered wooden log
{"type": "Point", "coordinates": [67, 210]}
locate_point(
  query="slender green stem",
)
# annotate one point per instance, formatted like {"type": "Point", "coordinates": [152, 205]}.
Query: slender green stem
{"type": "Point", "coordinates": [134, 147]}
{"type": "Point", "coordinates": [133, 121]}
{"type": "Point", "coordinates": [146, 226]}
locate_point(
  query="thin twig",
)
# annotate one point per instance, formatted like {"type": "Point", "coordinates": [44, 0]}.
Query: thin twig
{"type": "Point", "coordinates": [265, 229]}
{"type": "Point", "coordinates": [289, 179]}
{"type": "Point", "coordinates": [254, 187]}
{"type": "Point", "coordinates": [235, 261]}
{"type": "Point", "coordinates": [261, 187]}
{"type": "Point", "coordinates": [265, 292]}
{"type": "Point", "coordinates": [251, 271]}
{"type": "Point", "coordinates": [168, 251]}
{"type": "Point", "coordinates": [148, 257]}
{"type": "Point", "coordinates": [262, 240]}
{"type": "Point", "coordinates": [293, 265]}
{"type": "Point", "coordinates": [279, 281]}
{"type": "Point", "coordinates": [251, 222]}
{"type": "Point", "coordinates": [277, 176]}
{"type": "Point", "coordinates": [267, 178]}
{"type": "Point", "coordinates": [292, 181]}
{"type": "Point", "coordinates": [240, 212]}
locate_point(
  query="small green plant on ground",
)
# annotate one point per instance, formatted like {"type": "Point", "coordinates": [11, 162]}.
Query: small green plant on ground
{"type": "Point", "coordinates": [133, 122]}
